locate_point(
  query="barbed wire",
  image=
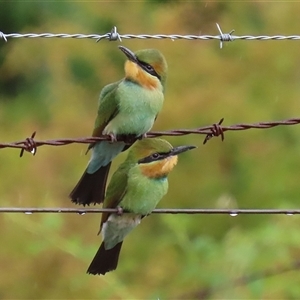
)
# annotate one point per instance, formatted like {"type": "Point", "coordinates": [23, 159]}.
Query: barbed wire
{"type": "Point", "coordinates": [113, 35]}
{"type": "Point", "coordinates": [214, 130]}
{"type": "Point", "coordinates": [233, 212]}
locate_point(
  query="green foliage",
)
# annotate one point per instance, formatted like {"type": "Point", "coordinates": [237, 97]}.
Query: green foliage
{"type": "Point", "coordinates": [52, 86]}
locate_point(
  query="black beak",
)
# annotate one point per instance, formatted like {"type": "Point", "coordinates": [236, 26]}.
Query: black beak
{"type": "Point", "coordinates": [181, 149]}
{"type": "Point", "coordinates": [130, 55]}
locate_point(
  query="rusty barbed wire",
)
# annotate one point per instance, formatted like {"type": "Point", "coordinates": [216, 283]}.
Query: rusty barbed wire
{"type": "Point", "coordinates": [233, 212]}
{"type": "Point", "coordinates": [29, 145]}
{"type": "Point", "coordinates": [214, 130]}
{"type": "Point", "coordinates": [113, 35]}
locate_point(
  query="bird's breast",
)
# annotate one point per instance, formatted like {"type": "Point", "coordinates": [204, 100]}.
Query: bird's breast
{"type": "Point", "coordinates": [143, 193]}
{"type": "Point", "coordinates": [137, 110]}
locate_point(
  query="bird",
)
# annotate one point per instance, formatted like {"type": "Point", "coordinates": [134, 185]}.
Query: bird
{"type": "Point", "coordinates": [135, 189]}
{"type": "Point", "coordinates": [126, 108]}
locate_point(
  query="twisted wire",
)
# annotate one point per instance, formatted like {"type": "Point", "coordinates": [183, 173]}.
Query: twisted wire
{"type": "Point", "coordinates": [214, 130]}
{"type": "Point", "coordinates": [148, 36]}
{"type": "Point", "coordinates": [233, 212]}
{"type": "Point", "coordinates": [113, 35]}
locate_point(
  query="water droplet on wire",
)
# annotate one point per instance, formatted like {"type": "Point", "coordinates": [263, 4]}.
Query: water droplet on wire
{"type": "Point", "coordinates": [233, 214]}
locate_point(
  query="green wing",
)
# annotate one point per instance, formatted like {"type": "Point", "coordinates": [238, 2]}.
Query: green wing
{"type": "Point", "coordinates": [116, 190]}
{"type": "Point", "coordinates": [107, 108]}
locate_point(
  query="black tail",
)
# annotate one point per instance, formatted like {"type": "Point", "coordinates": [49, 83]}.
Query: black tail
{"type": "Point", "coordinates": [91, 187]}
{"type": "Point", "coordinates": [105, 260]}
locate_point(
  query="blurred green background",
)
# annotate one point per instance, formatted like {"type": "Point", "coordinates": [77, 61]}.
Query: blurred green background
{"type": "Point", "coordinates": [52, 85]}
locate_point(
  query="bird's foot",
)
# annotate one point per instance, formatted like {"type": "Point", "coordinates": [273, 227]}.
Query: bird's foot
{"type": "Point", "coordinates": [113, 138]}
{"type": "Point", "coordinates": [143, 136]}
{"type": "Point", "coordinates": [119, 210]}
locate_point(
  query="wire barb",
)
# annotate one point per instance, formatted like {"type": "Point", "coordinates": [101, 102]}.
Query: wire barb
{"type": "Point", "coordinates": [2, 35]}
{"type": "Point", "coordinates": [216, 130]}
{"type": "Point", "coordinates": [114, 35]}
{"type": "Point", "coordinates": [29, 145]}
{"type": "Point", "coordinates": [224, 37]}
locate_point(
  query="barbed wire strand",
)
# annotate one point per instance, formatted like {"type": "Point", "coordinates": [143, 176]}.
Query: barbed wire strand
{"type": "Point", "coordinates": [214, 130]}
{"type": "Point", "coordinates": [233, 212]}
{"type": "Point", "coordinates": [113, 35]}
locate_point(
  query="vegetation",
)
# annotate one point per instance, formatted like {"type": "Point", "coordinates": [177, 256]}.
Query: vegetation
{"type": "Point", "coordinates": [52, 85]}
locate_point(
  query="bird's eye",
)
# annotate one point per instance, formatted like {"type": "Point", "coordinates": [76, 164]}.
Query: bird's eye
{"type": "Point", "coordinates": [155, 155]}
{"type": "Point", "coordinates": [149, 68]}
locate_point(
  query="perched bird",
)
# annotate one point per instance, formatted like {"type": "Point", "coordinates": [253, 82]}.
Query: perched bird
{"type": "Point", "coordinates": [135, 188]}
{"type": "Point", "coordinates": [127, 108]}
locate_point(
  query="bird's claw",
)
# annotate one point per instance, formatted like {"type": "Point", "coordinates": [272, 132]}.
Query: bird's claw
{"type": "Point", "coordinates": [143, 136]}
{"type": "Point", "coordinates": [119, 210]}
{"type": "Point", "coordinates": [113, 138]}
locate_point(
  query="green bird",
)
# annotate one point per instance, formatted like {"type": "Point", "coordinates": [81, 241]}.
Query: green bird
{"type": "Point", "coordinates": [135, 188]}
{"type": "Point", "coordinates": [127, 108]}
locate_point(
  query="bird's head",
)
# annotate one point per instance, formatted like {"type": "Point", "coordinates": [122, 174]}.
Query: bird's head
{"type": "Point", "coordinates": [147, 67]}
{"type": "Point", "coordinates": [156, 157]}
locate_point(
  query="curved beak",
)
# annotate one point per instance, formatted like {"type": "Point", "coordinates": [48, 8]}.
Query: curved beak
{"type": "Point", "coordinates": [130, 55]}
{"type": "Point", "coordinates": [181, 149]}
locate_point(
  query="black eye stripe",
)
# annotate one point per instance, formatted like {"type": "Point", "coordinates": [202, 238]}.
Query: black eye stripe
{"type": "Point", "coordinates": [148, 68]}
{"type": "Point", "coordinates": [142, 63]}
{"type": "Point", "coordinates": [153, 157]}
